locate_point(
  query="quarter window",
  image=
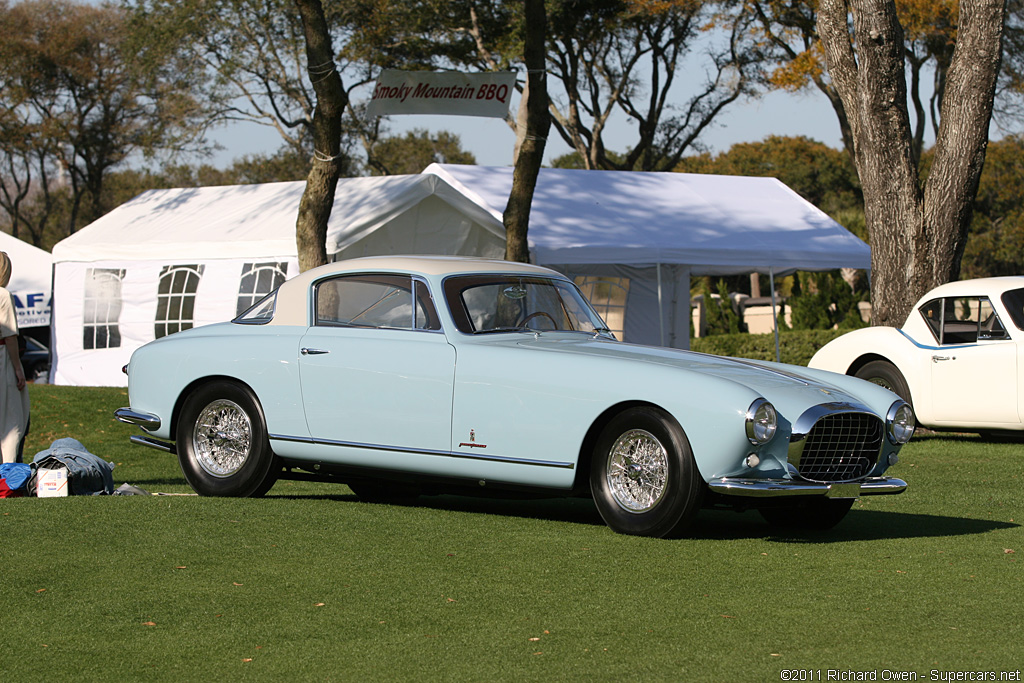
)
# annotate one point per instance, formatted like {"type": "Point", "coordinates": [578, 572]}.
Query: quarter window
{"type": "Point", "coordinates": [378, 301]}
{"type": "Point", "coordinates": [608, 297]}
{"type": "Point", "coordinates": [258, 280]}
{"type": "Point", "coordinates": [102, 308]}
{"type": "Point", "coordinates": [176, 299]}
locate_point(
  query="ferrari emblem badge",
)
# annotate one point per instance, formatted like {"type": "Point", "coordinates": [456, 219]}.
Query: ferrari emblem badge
{"type": "Point", "coordinates": [472, 441]}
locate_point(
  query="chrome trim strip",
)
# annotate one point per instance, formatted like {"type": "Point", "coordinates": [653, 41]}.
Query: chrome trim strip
{"type": "Point", "coordinates": [770, 488]}
{"type": "Point", "coordinates": [947, 347]}
{"type": "Point", "coordinates": [147, 421]}
{"type": "Point", "coordinates": [140, 440]}
{"type": "Point", "coordinates": [420, 451]}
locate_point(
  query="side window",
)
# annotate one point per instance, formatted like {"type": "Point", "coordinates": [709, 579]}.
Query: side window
{"type": "Point", "coordinates": [102, 308]}
{"type": "Point", "coordinates": [989, 324]}
{"type": "Point", "coordinates": [258, 280]}
{"type": "Point", "coordinates": [375, 301]}
{"type": "Point", "coordinates": [963, 320]}
{"type": "Point", "coordinates": [176, 299]}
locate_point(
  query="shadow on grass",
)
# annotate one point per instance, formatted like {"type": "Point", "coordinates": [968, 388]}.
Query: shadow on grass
{"type": "Point", "coordinates": [859, 525]}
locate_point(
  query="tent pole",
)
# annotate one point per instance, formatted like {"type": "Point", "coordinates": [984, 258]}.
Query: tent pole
{"type": "Point", "coordinates": [661, 308]}
{"type": "Point", "coordinates": [775, 315]}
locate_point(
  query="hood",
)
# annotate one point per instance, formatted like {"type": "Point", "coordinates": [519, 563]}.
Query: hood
{"type": "Point", "coordinates": [788, 387]}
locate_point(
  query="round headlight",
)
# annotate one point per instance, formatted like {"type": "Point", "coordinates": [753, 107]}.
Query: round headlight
{"type": "Point", "coordinates": [761, 422]}
{"type": "Point", "coordinates": [900, 422]}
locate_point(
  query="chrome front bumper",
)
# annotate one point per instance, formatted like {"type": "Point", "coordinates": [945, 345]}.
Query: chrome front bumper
{"type": "Point", "coordinates": [770, 488]}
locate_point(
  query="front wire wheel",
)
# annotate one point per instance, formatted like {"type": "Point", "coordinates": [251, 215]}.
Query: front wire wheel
{"type": "Point", "coordinates": [643, 477]}
{"type": "Point", "coordinates": [637, 471]}
{"type": "Point", "coordinates": [222, 442]}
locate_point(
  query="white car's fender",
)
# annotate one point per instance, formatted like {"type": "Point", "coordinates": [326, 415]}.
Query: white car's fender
{"type": "Point", "coordinates": [852, 351]}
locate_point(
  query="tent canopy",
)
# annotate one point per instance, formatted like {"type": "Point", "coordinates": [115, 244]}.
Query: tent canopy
{"type": "Point", "coordinates": [31, 277]}
{"type": "Point", "coordinates": [249, 221]}
{"type": "Point", "coordinates": [714, 224]}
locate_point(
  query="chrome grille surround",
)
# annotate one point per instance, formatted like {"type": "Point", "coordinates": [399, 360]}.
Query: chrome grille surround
{"type": "Point", "coordinates": [836, 442]}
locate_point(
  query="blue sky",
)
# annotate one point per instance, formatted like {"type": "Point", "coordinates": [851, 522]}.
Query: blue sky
{"type": "Point", "coordinates": [491, 140]}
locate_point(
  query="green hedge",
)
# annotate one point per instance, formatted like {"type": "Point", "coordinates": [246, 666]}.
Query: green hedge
{"type": "Point", "coordinates": [796, 346]}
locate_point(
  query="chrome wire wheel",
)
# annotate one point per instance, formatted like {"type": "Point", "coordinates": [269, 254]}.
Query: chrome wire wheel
{"type": "Point", "coordinates": [637, 472]}
{"type": "Point", "coordinates": [222, 438]}
{"type": "Point", "coordinates": [883, 382]}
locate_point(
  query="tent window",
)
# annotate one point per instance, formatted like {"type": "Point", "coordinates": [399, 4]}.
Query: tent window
{"type": "Point", "coordinates": [608, 296]}
{"type": "Point", "coordinates": [102, 308]}
{"type": "Point", "coordinates": [176, 299]}
{"type": "Point", "coordinates": [258, 280]}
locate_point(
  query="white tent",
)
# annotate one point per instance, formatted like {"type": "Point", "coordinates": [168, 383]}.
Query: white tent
{"type": "Point", "coordinates": [171, 259]}
{"type": "Point", "coordinates": [653, 231]}
{"type": "Point", "coordinates": [31, 276]}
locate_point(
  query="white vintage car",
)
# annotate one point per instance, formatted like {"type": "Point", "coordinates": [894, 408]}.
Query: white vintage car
{"type": "Point", "coordinates": [404, 376]}
{"type": "Point", "coordinates": [959, 358]}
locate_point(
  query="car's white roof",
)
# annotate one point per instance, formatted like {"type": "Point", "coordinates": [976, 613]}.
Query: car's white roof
{"type": "Point", "coordinates": [291, 307]}
{"type": "Point", "coordinates": [986, 286]}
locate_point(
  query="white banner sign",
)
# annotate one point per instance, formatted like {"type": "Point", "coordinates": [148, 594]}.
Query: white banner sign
{"type": "Point", "coordinates": [447, 92]}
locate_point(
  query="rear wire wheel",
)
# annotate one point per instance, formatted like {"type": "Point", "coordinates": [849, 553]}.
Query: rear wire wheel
{"type": "Point", "coordinates": [222, 442]}
{"type": "Point", "coordinates": [643, 477]}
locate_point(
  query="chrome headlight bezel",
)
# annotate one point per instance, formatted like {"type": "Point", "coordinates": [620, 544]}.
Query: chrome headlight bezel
{"type": "Point", "coordinates": [900, 423]}
{"type": "Point", "coordinates": [762, 422]}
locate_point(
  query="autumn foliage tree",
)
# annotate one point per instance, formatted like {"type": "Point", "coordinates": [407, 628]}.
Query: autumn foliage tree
{"type": "Point", "coordinates": [80, 93]}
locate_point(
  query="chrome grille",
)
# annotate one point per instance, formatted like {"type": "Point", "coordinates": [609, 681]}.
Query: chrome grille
{"type": "Point", "coordinates": [841, 447]}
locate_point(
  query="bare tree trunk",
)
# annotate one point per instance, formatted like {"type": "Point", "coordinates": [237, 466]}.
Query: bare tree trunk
{"type": "Point", "coordinates": [916, 236]}
{"type": "Point", "coordinates": [531, 150]}
{"type": "Point", "coordinates": [318, 199]}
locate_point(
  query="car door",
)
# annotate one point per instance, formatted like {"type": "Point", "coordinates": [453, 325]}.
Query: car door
{"type": "Point", "coordinates": [377, 373]}
{"type": "Point", "coordinates": [974, 370]}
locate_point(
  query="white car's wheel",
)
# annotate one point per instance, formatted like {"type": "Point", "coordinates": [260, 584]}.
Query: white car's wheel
{"type": "Point", "coordinates": [643, 477]}
{"type": "Point", "coordinates": [222, 442]}
{"type": "Point", "coordinates": [885, 374]}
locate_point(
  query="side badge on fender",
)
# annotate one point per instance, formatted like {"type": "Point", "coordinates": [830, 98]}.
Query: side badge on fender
{"type": "Point", "coordinates": [472, 441]}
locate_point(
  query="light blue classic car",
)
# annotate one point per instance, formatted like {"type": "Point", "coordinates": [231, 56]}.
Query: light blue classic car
{"type": "Point", "coordinates": [407, 376]}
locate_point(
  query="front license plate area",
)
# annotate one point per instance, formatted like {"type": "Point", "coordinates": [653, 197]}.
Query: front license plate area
{"type": "Point", "coordinates": [843, 491]}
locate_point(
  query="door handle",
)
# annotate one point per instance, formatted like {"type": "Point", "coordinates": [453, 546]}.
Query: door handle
{"type": "Point", "coordinates": [936, 359]}
{"type": "Point", "coordinates": [312, 352]}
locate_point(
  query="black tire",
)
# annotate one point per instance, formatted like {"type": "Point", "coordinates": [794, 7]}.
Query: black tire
{"type": "Point", "coordinates": [222, 442]}
{"type": "Point", "coordinates": [884, 373]}
{"type": "Point", "coordinates": [818, 514]}
{"type": "Point", "coordinates": [658, 497]}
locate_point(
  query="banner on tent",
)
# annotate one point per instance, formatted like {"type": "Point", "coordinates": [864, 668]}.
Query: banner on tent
{"type": "Point", "coordinates": [33, 308]}
{"type": "Point", "coordinates": [430, 92]}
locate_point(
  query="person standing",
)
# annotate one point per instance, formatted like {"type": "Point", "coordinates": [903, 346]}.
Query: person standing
{"type": "Point", "coordinates": [14, 405]}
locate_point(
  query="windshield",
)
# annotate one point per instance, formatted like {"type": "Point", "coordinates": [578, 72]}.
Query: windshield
{"type": "Point", "coordinates": [504, 303]}
{"type": "Point", "coordinates": [1014, 301]}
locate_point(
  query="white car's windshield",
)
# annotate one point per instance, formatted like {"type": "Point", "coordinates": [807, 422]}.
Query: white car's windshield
{"type": "Point", "coordinates": [503, 303]}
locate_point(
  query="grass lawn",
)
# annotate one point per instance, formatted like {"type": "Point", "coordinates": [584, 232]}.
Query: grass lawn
{"type": "Point", "coordinates": [310, 584]}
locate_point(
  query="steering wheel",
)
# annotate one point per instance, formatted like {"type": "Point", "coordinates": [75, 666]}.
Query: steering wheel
{"type": "Point", "coordinates": [536, 314]}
